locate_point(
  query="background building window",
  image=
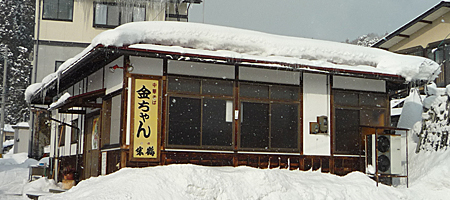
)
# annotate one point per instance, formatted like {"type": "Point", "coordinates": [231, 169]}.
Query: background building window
{"type": "Point", "coordinates": [353, 109]}
{"type": "Point", "coordinates": [58, 10]}
{"type": "Point", "coordinates": [57, 64]}
{"type": "Point", "coordinates": [269, 117]}
{"type": "Point", "coordinates": [113, 14]}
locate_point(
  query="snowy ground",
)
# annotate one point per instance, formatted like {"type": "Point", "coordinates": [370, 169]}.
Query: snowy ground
{"type": "Point", "coordinates": [429, 179]}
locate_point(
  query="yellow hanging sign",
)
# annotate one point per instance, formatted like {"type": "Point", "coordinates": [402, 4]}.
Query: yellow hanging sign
{"type": "Point", "coordinates": [146, 104]}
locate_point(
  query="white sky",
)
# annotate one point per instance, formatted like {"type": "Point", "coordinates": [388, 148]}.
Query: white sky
{"type": "Point", "coordinates": [324, 19]}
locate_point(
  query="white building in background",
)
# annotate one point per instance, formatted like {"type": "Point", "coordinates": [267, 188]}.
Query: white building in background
{"type": "Point", "coordinates": [65, 27]}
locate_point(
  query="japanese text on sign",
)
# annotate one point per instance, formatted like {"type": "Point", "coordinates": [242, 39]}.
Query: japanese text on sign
{"type": "Point", "coordinates": [146, 105]}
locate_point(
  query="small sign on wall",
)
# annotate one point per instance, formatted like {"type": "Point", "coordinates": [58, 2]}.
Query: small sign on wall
{"type": "Point", "coordinates": [104, 163]}
{"type": "Point", "coordinates": [146, 122]}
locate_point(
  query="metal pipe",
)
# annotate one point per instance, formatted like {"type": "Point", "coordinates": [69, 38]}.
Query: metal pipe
{"type": "Point", "coordinates": [2, 119]}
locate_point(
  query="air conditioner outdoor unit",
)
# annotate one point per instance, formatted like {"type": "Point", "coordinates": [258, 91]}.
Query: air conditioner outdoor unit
{"type": "Point", "coordinates": [388, 151]}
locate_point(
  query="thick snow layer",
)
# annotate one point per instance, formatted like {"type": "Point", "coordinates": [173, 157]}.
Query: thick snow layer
{"type": "Point", "coordinates": [218, 38]}
{"type": "Point", "coordinates": [240, 43]}
{"type": "Point", "coordinates": [429, 179]}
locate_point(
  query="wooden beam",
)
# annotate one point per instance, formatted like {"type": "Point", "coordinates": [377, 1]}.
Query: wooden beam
{"type": "Point", "coordinates": [403, 35]}
{"type": "Point", "coordinates": [426, 21]}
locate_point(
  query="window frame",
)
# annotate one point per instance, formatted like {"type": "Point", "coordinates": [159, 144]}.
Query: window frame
{"type": "Point", "coordinates": [298, 101]}
{"type": "Point", "coordinates": [201, 96]}
{"type": "Point", "coordinates": [360, 109]}
{"type": "Point", "coordinates": [58, 18]}
{"type": "Point", "coordinates": [119, 14]}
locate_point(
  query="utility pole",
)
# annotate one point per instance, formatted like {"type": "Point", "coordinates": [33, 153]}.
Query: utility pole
{"type": "Point", "coordinates": [2, 119]}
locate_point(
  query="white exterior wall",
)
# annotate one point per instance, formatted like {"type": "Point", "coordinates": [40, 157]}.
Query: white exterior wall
{"type": "Point", "coordinates": [316, 102]}
{"type": "Point", "coordinates": [147, 66]}
{"type": "Point", "coordinates": [351, 83]}
{"type": "Point", "coordinates": [201, 69]}
{"type": "Point", "coordinates": [114, 81]}
{"type": "Point", "coordinates": [95, 80]}
{"type": "Point", "coordinates": [269, 75]}
{"type": "Point", "coordinates": [48, 55]}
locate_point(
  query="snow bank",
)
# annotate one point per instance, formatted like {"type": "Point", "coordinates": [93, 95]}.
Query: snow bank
{"type": "Point", "coordinates": [435, 125]}
{"type": "Point", "coordinates": [239, 43]}
{"type": "Point", "coordinates": [198, 182]}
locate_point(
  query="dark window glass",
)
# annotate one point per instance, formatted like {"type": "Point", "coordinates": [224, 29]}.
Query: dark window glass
{"type": "Point", "coordinates": [74, 134]}
{"type": "Point", "coordinates": [254, 91]}
{"type": "Point", "coordinates": [216, 130]}
{"type": "Point", "coordinates": [373, 117]}
{"type": "Point", "coordinates": [255, 125]}
{"type": "Point", "coordinates": [346, 99]}
{"type": "Point", "coordinates": [184, 85]}
{"type": "Point", "coordinates": [284, 125]}
{"type": "Point", "coordinates": [215, 87]}
{"type": "Point", "coordinates": [58, 9]}
{"type": "Point", "coordinates": [347, 139]}
{"type": "Point", "coordinates": [284, 93]}
{"type": "Point", "coordinates": [57, 64]}
{"type": "Point", "coordinates": [184, 121]}
{"type": "Point", "coordinates": [372, 100]}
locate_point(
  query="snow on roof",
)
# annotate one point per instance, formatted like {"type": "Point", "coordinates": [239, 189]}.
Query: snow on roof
{"type": "Point", "coordinates": [22, 125]}
{"type": "Point", "coordinates": [240, 43]}
{"type": "Point", "coordinates": [60, 101]}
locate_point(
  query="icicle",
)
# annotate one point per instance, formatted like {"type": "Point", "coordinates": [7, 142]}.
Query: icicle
{"type": "Point", "coordinates": [58, 78]}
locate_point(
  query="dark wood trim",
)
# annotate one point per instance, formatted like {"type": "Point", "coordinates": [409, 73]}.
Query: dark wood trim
{"type": "Point", "coordinates": [403, 35]}
{"type": "Point", "coordinates": [426, 21]}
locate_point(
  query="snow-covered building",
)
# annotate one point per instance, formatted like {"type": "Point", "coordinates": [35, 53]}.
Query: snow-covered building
{"type": "Point", "coordinates": [65, 27]}
{"type": "Point", "coordinates": [157, 93]}
{"type": "Point", "coordinates": [427, 35]}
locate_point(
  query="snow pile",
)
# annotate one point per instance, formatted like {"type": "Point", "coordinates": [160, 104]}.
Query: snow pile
{"type": "Point", "coordinates": [429, 179]}
{"type": "Point", "coordinates": [435, 125]}
{"type": "Point", "coordinates": [14, 173]}
{"type": "Point", "coordinates": [239, 43]}
{"type": "Point", "coordinates": [198, 182]}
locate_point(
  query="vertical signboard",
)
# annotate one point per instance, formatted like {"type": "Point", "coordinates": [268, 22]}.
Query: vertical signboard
{"type": "Point", "coordinates": [95, 135]}
{"type": "Point", "coordinates": [145, 129]}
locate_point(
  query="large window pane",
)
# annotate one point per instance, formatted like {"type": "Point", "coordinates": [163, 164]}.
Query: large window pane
{"type": "Point", "coordinates": [373, 117]}
{"type": "Point", "coordinates": [346, 99]}
{"type": "Point", "coordinates": [216, 128]}
{"type": "Point", "coordinates": [284, 125]}
{"type": "Point", "coordinates": [101, 11]}
{"type": "Point", "coordinates": [184, 85]}
{"type": "Point", "coordinates": [254, 91]}
{"type": "Point", "coordinates": [113, 15]}
{"type": "Point", "coordinates": [65, 9]}
{"type": "Point", "coordinates": [255, 125]}
{"type": "Point", "coordinates": [184, 121]}
{"type": "Point", "coordinates": [215, 87]}
{"type": "Point", "coordinates": [50, 9]}
{"type": "Point", "coordinates": [58, 9]}
{"type": "Point", "coordinates": [284, 93]}
{"type": "Point", "coordinates": [347, 138]}
{"type": "Point", "coordinates": [373, 100]}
